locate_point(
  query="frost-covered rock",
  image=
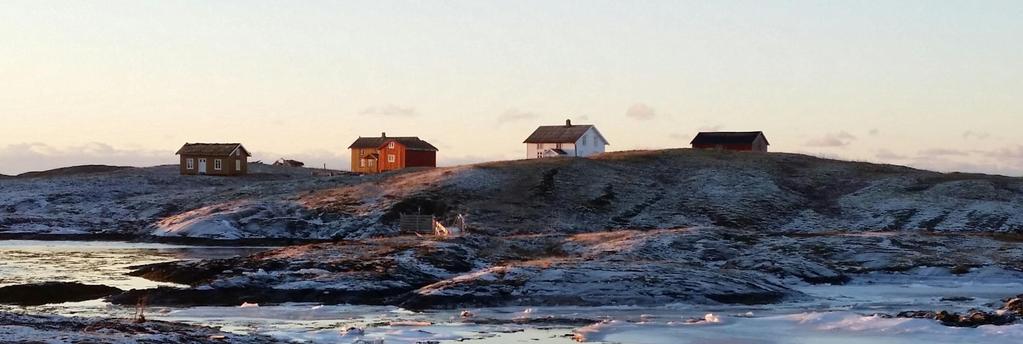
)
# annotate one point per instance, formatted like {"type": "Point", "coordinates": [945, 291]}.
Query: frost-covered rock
{"type": "Point", "coordinates": [704, 265]}
{"type": "Point", "coordinates": [20, 328]}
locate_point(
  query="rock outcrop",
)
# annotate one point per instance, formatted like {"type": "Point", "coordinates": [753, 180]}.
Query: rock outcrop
{"type": "Point", "coordinates": [53, 292]}
{"type": "Point", "coordinates": [20, 328]}
{"type": "Point", "coordinates": [644, 268]}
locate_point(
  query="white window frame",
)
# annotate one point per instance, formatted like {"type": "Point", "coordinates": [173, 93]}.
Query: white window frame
{"type": "Point", "coordinates": [585, 140]}
{"type": "Point", "coordinates": [238, 165]}
{"type": "Point", "coordinates": [189, 164]}
{"type": "Point", "coordinates": [218, 164]}
{"type": "Point", "coordinates": [390, 145]}
{"type": "Point", "coordinates": [391, 158]}
{"type": "Point", "coordinates": [362, 162]}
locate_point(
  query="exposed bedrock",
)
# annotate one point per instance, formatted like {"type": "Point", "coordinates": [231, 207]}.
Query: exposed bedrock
{"type": "Point", "coordinates": [53, 292]}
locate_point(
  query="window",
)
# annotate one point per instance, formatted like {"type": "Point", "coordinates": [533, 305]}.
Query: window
{"type": "Point", "coordinates": [585, 139]}
{"type": "Point", "coordinates": [190, 164]}
{"type": "Point", "coordinates": [390, 145]}
{"type": "Point", "coordinates": [218, 164]}
{"type": "Point", "coordinates": [539, 146]}
{"type": "Point", "coordinates": [390, 158]}
{"type": "Point", "coordinates": [238, 165]}
{"type": "Point", "coordinates": [362, 162]}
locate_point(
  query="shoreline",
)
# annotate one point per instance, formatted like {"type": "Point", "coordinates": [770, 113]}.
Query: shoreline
{"type": "Point", "coordinates": [150, 239]}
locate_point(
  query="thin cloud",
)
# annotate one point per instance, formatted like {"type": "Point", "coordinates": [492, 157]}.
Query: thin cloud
{"type": "Point", "coordinates": [513, 115]}
{"type": "Point", "coordinates": [885, 154]}
{"type": "Point", "coordinates": [942, 152]}
{"type": "Point", "coordinates": [36, 156]}
{"type": "Point", "coordinates": [641, 112]}
{"type": "Point", "coordinates": [389, 110]}
{"type": "Point", "coordinates": [714, 127]}
{"type": "Point", "coordinates": [1012, 153]}
{"type": "Point", "coordinates": [874, 132]}
{"type": "Point", "coordinates": [839, 139]}
{"type": "Point", "coordinates": [979, 135]}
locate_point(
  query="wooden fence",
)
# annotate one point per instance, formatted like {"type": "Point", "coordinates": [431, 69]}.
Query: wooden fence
{"type": "Point", "coordinates": [418, 224]}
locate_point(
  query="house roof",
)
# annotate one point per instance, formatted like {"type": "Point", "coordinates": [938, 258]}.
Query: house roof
{"type": "Point", "coordinates": [410, 142]}
{"type": "Point", "coordinates": [288, 162]}
{"type": "Point", "coordinates": [558, 151]}
{"type": "Point", "coordinates": [568, 133]}
{"type": "Point", "coordinates": [727, 137]}
{"type": "Point", "coordinates": [211, 149]}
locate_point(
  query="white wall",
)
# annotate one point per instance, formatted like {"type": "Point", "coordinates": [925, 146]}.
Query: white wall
{"type": "Point", "coordinates": [533, 150]}
{"type": "Point", "coordinates": [590, 144]}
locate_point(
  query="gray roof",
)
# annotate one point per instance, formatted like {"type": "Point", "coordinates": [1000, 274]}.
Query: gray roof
{"type": "Point", "coordinates": [558, 151]}
{"type": "Point", "coordinates": [727, 137]}
{"type": "Point", "coordinates": [211, 149]}
{"type": "Point", "coordinates": [560, 133]}
{"type": "Point", "coordinates": [410, 142]}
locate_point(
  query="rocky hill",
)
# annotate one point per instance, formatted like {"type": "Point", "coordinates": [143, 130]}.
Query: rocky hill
{"type": "Point", "coordinates": [683, 188]}
{"type": "Point", "coordinates": [624, 190]}
{"type": "Point", "coordinates": [72, 170]}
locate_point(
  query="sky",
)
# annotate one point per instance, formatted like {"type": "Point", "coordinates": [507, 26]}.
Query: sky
{"type": "Point", "coordinates": [930, 84]}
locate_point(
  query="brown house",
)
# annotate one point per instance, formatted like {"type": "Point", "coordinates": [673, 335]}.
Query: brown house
{"type": "Point", "coordinates": [215, 159]}
{"type": "Point", "coordinates": [382, 154]}
{"type": "Point", "coordinates": [753, 141]}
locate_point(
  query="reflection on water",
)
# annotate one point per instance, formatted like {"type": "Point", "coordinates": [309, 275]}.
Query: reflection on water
{"type": "Point", "coordinates": [29, 261]}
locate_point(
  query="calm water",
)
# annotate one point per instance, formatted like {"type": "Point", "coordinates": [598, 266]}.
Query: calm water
{"type": "Point", "coordinates": [29, 261]}
{"type": "Point", "coordinates": [836, 314]}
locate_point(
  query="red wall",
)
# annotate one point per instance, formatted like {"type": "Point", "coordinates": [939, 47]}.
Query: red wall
{"type": "Point", "coordinates": [746, 147]}
{"type": "Point", "coordinates": [405, 158]}
{"type": "Point", "coordinates": [399, 157]}
{"type": "Point", "coordinates": [420, 158]}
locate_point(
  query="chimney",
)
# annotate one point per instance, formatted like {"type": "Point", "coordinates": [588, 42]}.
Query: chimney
{"type": "Point", "coordinates": [568, 123]}
{"type": "Point", "coordinates": [383, 134]}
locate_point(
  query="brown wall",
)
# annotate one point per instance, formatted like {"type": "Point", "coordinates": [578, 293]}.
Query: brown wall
{"type": "Point", "coordinates": [227, 170]}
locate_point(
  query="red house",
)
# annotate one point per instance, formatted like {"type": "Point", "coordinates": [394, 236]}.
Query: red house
{"type": "Point", "coordinates": [382, 154]}
{"type": "Point", "coordinates": [753, 141]}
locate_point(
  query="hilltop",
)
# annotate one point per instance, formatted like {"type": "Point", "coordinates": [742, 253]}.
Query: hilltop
{"type": "Point", "coordinates": [70, 171]}
{"type": "Point", "coordinates": [624, 190]}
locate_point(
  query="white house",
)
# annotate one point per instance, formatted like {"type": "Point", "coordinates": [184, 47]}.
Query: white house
{"type": "Point", "coordinates": [580, 140]}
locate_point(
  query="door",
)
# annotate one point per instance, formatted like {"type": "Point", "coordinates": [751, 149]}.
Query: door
{"type": "Point", "coordinates": [202, 166]}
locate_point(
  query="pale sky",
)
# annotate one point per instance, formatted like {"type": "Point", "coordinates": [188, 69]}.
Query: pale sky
{"type": "Point", "coordinates": [931, 84]}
